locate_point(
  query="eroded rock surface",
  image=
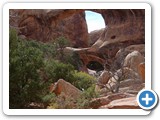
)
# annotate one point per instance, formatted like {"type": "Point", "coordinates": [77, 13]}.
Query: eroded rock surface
{"type": "Point", "coordinates": [98, 102]}
{"type": "Point", "coordinates": [141, 70]}
{"type": "Point", "coordinates": [61, 86]}
{"type": "Point", "coordinates": [133, 59]}
{"type": "Point", "coordinates": [94, 35]}
{"type": "Point", "coordinates": [47, 25]}
{"type": "Point", "coordinates": [125, 103]}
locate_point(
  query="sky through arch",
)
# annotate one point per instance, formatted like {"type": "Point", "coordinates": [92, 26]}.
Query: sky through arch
{"type": "Point", "coordinates": [94, 20]}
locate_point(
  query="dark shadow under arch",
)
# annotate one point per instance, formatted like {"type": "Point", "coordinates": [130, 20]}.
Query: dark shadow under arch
{"type": "Point", "coordinates": [94, 65]}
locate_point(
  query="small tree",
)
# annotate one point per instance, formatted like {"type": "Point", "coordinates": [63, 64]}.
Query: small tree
{"type": "Point", "coordinates": [61, 55]}
{"type": "Point", "coordinates": [57, 70]}
{"type": "Point", "coordinates": [60, 43]}
{"type": "Point", "coordinates": [25, 84]}
{"type": "Point", "coordinates": [117, 70]}
{"type": "Point", "coordinates": [83, 80]}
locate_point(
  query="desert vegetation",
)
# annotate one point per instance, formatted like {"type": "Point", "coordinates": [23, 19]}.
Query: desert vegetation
{"type": "Point", "coordinates": [55, 63]}
{"type": "Point", "coordinates": [34, 66]}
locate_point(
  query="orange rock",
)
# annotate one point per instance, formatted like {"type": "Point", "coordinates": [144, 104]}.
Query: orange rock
{"type": "Point", "coordinates": [98, 102]}
{"type": "Point", "coordinates": [51, 87]}
{"type": "Point", "coordinates": [104, 77]}
{"type": "Point", "coordinates": [125, 103]}
{"type": "Point", "coordinates": [61, 86]}
{"type": "Point", "coordinates": [141, 70]}
{"type": "Point", "coordinates": [46, 25]}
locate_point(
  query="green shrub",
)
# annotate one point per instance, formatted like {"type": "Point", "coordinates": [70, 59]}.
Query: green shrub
{"type": "Point", "coordinates": [57, 70]}
{"type": "Point", "coordinates": [84, 102]}
{"type": "Point", "coordinates": [62, 102]}
{"type": "Point", "coordinates": [34, 65]}
{"type": "Point", "coordinates": [72, 58]}
{"type": "Point", "coordinates": [25, 84]}
{"type": "Point", "coordinates": [83, 80]}
{"type": "Point", "coordinates": [60, 43]}
{"type": "Point", "coordinates": [48, 98]}
{"type": "Point", "coordinates": [48, 49]}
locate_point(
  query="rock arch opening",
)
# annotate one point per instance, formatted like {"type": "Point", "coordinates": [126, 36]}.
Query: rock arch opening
{"type": "Point", "coordinates": [94, 21]}
{"type": "Point", "coordinates": [94, 65]}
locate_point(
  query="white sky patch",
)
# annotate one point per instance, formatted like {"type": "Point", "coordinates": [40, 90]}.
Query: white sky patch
{"type": "Point", "coordinates": [94, 20]}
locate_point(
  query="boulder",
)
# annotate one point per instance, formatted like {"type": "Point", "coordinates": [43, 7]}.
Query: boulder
{"type": "Point", "coordinates": [92, 72]}
{"type": "Point", "coordinates": [120, 95]}
{"type": "Point", "coordinates": [132, 88]}
{"type": "Point", "coordinates": [94, 36]}
{"type": "Point", "coordinates": [63, 87]}
{"type": "Point", "coordinates": [130, 82]}
{"type": "Point", "coordinates": [123, 52]}
{"type": "Point", "coordinates": [119, 58]}
{"type": "Point", "coordinates": [121, 75]}
{"type": "Point", "coordinates": [98, 88]}
{"type": "Point", "coordinates": [104, 77]}
{"type": "Point", "coordinates": [133, 59]}
{"type": "Point", "coordinates": [139, 47]}
{"type": "Point", "coordinates": [124, 103]}
{"type": "Point", "coordinates": [98, 102]}
{"type": "Point", "coordinates": [141, 70]}
{"type": "Point", "coordinates": [126, 73]}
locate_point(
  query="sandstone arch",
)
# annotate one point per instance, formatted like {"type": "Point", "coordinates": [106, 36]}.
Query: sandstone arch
{"type": "Point", "coordinates": [124, 27]}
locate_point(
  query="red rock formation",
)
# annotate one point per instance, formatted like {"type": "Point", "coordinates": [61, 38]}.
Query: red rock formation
{"type": "Point", "coordinates": [94, 36]}
{"type": "Point", "coordinates": [47, 25]}
{"type": "Point", "coordinates": [104, 77]}
{"type": "Point", "coordinates": [124, 27]}
{"type": "Point", "coordinates": [98, 102]}
{"type": "Point", "coordinates": [86, 58]}
{"type": "Point", "coordinates": [140, 48]}
{"type": "Point", "coordinates": [125, 103]}
{"type": "Point", "coordinates": [61, 86]}
{"type": "Point", "coordinates": [141, 69]}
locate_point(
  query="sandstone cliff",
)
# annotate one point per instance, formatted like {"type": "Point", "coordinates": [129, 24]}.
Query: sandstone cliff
{"type": "Point", "coordinates": [124, 27]}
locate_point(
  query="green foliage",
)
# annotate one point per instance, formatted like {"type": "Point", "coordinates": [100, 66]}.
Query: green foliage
{"type": "Point", "coordinates": [84, 101]}
{"type": "Point", "coordinates": [48, 98]}
{"type": "Point", "coordinates": [33, 66]}
{"type": "Point", "coordinates": [83, 80]}
{"type": "Point", "coordinates": [68, 58]}
{"type": "Point", "coordinates": [60, 43]}
{"type": "Point", "coordinates": [62, 102]}
{"type": "Point", "coordinates": [74, 60]}
{"type": "Point", "coordinates": [80, 80]}
{"type": "Point", "coordinates": [90, 92]}
{"type": "Point", "coordinates": [24, 63]}
{"type": "Point", "coordinates": [48, 49]}
{"type": "Point", "coordinates": [57, 70]}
